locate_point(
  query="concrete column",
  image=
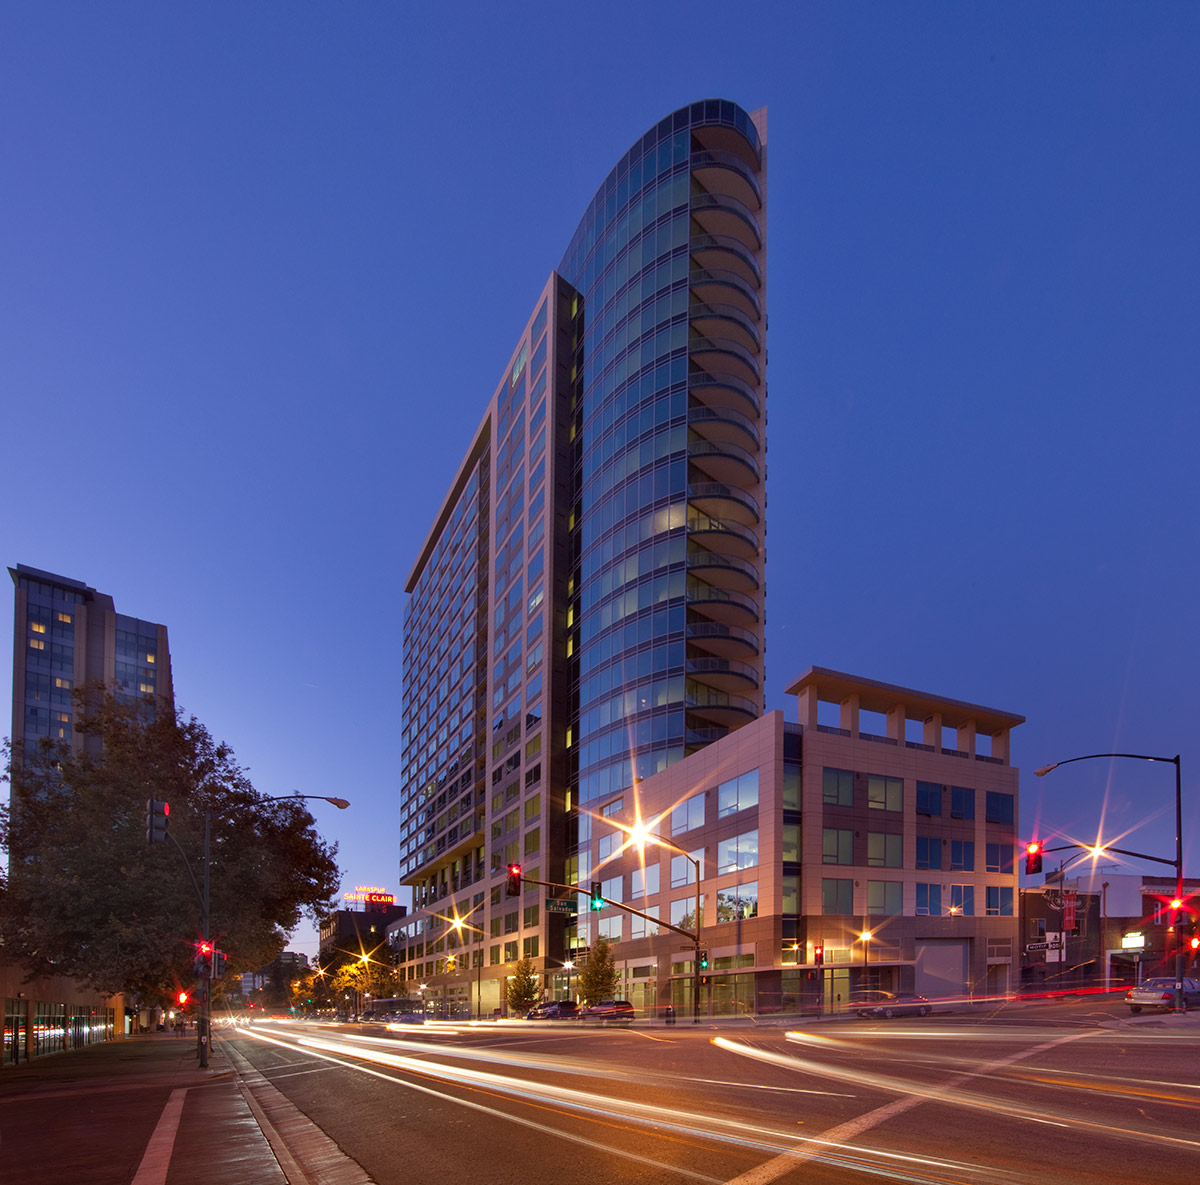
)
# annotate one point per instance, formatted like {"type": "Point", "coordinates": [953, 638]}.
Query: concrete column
{"type": "Point", "coordinates": [965, 738]}
{"type": "Point", "coordinates": [850, 715]}
{"type": "Point", "coordinates": [896, 719]}
{"type": "Point", "coordinates": [933, 731]}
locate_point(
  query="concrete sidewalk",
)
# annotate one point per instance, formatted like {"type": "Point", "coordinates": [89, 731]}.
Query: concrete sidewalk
{"type": "Point", "coordinates": [141, 1112]}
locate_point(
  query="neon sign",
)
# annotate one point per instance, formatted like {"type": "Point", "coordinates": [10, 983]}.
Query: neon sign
{"type": "Point", "coordinates": [370, 895]}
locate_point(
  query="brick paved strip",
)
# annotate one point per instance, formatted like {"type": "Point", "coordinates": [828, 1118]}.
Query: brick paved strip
{"type": "Point", "coordinates": [157, 1158]}
{"type": "Point", "coordinates": [305, 1153]}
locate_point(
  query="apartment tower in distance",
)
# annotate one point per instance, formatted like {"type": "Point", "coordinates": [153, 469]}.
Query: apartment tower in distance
{"type": "Point", "coordinates": [587, 608]}
{"type": "Point", "coordinates": [67, 634]}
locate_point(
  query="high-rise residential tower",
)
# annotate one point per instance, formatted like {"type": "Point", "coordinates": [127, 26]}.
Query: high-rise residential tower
{"type": "Point", "coordinates": [66, 634]}
{"type": "Point", "coordinates": [587, 608]}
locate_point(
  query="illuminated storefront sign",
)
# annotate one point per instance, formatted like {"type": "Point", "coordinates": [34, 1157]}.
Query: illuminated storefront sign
{"type": "Point", "coordinates": [1133, 942]}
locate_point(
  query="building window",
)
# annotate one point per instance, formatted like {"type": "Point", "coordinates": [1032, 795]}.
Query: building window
{"type": "Point", "coordinates": [962, 802]}
{"type": "Point", "coordinates": [689, 815]}
{"type": "Point", "coordinates": [929, 851]}
{"type": "Point", "coordinates": [1000, 857]}
{"type": "Point", "coordinates": [612, 808]}
{"type": "Point", "coordinates": [683, 913]}
{"type": "Point", "coordinates": [738, 794]}
{"type": "Point", "coordinates": [36, 644]}
{"type": "Point", "coordinates": [611, 889]}
{"type": "Point", "coordinates": [929, 798]}
{"type": "Point", "coordinates": [642, 927]}
{"type": "Point", "coordinates": [737, 902]}
{"type": "Point", "coordinates": [529, 916]}
{"type": "Point", "coordinates": [645, 881]}
{"type": "Point", "coordinates": [885, 851]}
{"type": "Point", "coordinates": [837, 896]}
{"type": "Point", "coordinates": [837, 787]}
{"type": "Point", "coordinates": [530, 947]}
{"type": "Point", "coordinates": [929, 900]}
{"type": "Point", "coordinates": [962, 900]}
{"type": "Point", "coordinates": [37, 627]}
{"type": "Point", "coordinates": [510, 952]}
{"type": "Point", "coordinates": [999, 901]}
{"type": "Point", "coordinates": [999, 807]}
{"type": "Point", "coordinates": [837, 846]}
{"type": "Point", "coordinates": [739, 851]}
{"type": "Point", "coordinates": [885, 794]}
{"type": "Point", "coordinates": [962, 855]}
{"type": "Point", "coordinates": [683, 871]}
{"type": "Point", "coordinates": [885, 898]}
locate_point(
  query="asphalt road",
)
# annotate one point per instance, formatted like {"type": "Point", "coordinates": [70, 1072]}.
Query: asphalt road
{"type": "Point", "coordinates": [1059, 1094]}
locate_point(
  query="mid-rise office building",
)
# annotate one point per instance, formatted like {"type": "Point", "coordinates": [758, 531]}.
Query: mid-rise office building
{"type": "Point", "coordinates": [66, 634]}
{"type": "Point", "coordinates": [873, 852]}
{"type": "Point", "coordinates": [588, 607]}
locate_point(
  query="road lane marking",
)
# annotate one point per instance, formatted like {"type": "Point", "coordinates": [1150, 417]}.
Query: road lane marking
{"type": "Point", "coordinates": [157, 1157]}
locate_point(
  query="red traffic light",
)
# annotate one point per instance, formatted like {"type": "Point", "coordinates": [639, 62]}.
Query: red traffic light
{"type": "Point", "coordinates": [183, 997]}
{"type": "Point", "coordinates": [1033, 857]}
{"type": "Point", "coordinates": [818, 955]}
{"type": "Point", "coordinates": [1033, 847]}
{"type": "Point", "coordinates": [205, 948]}
{"type": "Point", "coordinates": [512, 883]}
{"type": "Point", "coordinates": [1194, 942]}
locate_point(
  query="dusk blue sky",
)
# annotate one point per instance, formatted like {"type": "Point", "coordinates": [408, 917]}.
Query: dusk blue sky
{"type": "Point", "coordinates": [262, 265]}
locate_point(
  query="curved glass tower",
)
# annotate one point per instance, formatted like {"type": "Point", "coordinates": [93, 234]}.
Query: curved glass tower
{"type": "Point", "coordinates": [588, 605]}
{"type": "Point", "coordinates": [670, 409]}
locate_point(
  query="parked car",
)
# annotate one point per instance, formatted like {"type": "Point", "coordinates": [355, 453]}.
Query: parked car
{"type": "Point", "coordinates": [1159, 992]}
{"type": "Point", "coordinates": [554, 1010]}
{"type": "Point", "coordinates": [620, 1011]}
{"type": "Point", "coordinates": [889, 1004]}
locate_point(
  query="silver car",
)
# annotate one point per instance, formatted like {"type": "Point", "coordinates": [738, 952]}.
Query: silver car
{"type": "Point", "coordinates": [1159, 992]}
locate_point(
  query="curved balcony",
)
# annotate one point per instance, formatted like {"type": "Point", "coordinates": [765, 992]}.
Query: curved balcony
{"type": "Point", "coordinates": [723, 355]}
{"type": "Point", "coordinates": [721, 605]}
{"type": "Point", "coordinates": [728, 641]}
{"type": "Point", "coordinates": [720, 252]}
{"type": "Point", "coordinates": [720, 214]}
{"type": "Point", "coordinates": [723, 571]}
{"type": "Point", "coordinates": [722, 391]}
{"type": "Point", "coordinates": [720, 461]}
{"type": "Point", "coordinates": [720, 501]}
{"type": "Point", "coordinates": [724, 320]}
{"type": "Point", "coordinates": [721, 286]}
{"type": "Point", "coordinates": [725, 674]}
{"type": "Point", "coordinates": [719, 707]}
{"type": "Point", "coordinates": [722, 536]}
{"type": "Point", "coordinates": [699, 737]}
{"type": "Point", "coordinates": [723, 423]}
{"type": "Point", "coordinates": [726, 172]}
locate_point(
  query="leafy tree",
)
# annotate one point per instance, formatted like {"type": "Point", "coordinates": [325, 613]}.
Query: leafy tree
{"type": "Point", "coordinates": [598, 975]}
{"type": "Point", "coordinates": [524, 989]}
{"type": "Point", "coordinates": [86, 896]}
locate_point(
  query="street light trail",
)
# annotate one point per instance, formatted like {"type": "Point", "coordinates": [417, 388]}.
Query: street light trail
{"type": "Point", "coordinates": [687, 1127]}
{"type": "Point", "coordinates": [917, 1093]}
{"type": "Point", "coordinates": [589, 1069]}
{"type": "Point", "coordinates": [496, 1113]}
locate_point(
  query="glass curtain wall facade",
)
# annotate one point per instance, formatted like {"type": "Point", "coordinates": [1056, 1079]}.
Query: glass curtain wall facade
{"type": "Point", "coordinates": [671, 410]}
{"type": "Point", "coordinates": [588, 606]}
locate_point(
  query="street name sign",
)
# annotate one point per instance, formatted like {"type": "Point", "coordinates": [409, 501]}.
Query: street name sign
{"type": "Point", "coordinates": [554, 905]}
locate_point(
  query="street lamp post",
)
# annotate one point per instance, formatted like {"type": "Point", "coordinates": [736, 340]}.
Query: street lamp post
{"type": "Point", "coordinates": [1177, 903]}
{"type": "Point", "coordinates": [205, 1021]}
{"type": "Point", "coordinates": [640, 837]}
{"type": "Point", "coordinates": [567, 966]}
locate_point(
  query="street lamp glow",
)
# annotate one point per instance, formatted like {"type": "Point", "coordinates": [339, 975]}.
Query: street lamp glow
{"type": "Point", "coordinates": [865, 936]}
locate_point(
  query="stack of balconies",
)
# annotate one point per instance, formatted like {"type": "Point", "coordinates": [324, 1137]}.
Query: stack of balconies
{"type": "Point", "coordinates": [725, 453]}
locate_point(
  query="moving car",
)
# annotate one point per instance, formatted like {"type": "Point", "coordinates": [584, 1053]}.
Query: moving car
{"type": "Point", "coordinates": [1159, 992]}
{"type": "Point", "coordinates": [554, 1010]}
{"type": "Point", "coordinates": [889, 1004]}
{"type": "Point", "coordinates": [620, 1011]}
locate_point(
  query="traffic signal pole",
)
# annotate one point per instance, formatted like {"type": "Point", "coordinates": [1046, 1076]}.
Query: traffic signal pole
{"type": "Point", "coordinates": [205, 937]}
